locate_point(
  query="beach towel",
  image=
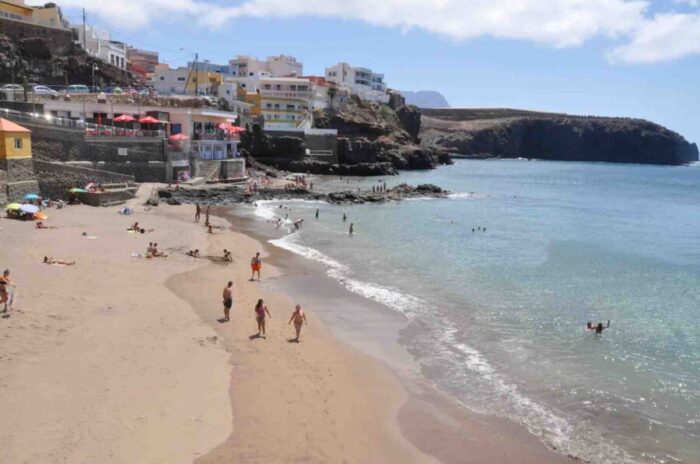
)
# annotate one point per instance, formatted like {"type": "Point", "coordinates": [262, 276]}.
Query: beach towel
{"type": "Point", "coordinates": [90, 237]}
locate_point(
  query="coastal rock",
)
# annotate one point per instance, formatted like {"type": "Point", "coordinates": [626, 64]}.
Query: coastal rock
{"type": "Point", "coordinates": [371, 133]}
{"type": "Point", "coordinates": [493, 133]}
{"type": "Point", "coordinates": [235, 195]}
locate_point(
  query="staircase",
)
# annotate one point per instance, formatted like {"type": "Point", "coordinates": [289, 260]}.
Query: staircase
{"type": "Point", "coordinates": [208, 170]}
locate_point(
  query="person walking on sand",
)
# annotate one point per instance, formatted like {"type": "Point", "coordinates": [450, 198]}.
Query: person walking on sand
{"type": "Point", "coordinates": [197, 213]}
{"type": "Point", "coordinates": [352, 228]}
{"type": "Point", "coordinates": [255, 265]}
{"type": "Point", "coordinates": [4, 283]}
{"type": "Point", "coordinates": [345, 218]}
{"type": "Point", "coordinates": [316, 213]}
{"type": "Point", "coordinates": [206, 217]}
{"type": "Point", "coordinates": [299, 319]}
{"type": "Point", "coordinates": [228, 300]}
{"type": "Point", "coordinates": [260, 312]}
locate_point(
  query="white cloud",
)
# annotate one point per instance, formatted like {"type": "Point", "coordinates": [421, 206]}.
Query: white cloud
{"type": "Point", "coordinates": [556, 23]}
{"type": "Point", "coordinates": [665, 37]}
{"type": "Point", "coordinates": [559, 23]}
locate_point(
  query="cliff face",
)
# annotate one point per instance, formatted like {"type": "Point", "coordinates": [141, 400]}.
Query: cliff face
{"type": "Point", "coordinates": [35, 54]}
{"type": "Point", "coordinates": [524, 134]}
{"type": "Point", "coordinates": [377, 138]}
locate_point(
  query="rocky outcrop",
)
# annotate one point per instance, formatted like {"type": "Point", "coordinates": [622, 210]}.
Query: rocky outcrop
{"type": "Point", "coordinates": [236, 195]}
{"type": "Point", "coordinates": [34, 54]}
{"type": "Point", "coordinates": [377, 135]}
{"type": "Point", "coordinates": [506, 133]}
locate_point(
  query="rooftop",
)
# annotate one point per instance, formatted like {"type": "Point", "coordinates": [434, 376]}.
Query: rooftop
{"type": "Point", "coordinates": [9, 126]}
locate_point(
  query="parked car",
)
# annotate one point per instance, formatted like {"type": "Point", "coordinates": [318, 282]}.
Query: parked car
{"type": "Point", "coordinates": [78, 88]}
{"type": "Point", "coordinates": [43, 90]}
{"type": "Point", "coordinates": [12, 88]}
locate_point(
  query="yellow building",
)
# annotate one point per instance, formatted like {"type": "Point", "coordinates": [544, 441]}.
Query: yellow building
{"type": "Point", "coordinates": [16, 160]}
{"type": "Point", "coordinates": [16, 10]}
{"type": "Point", "coordinates": [16, 141]}
{"type": "Point", "coordinates": [49, 15]}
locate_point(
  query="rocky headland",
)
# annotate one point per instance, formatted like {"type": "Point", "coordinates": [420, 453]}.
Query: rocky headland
{"type": "Point", "coordinates": [373, 139]}
{"type": "Point", "coordinates": [507, 133]}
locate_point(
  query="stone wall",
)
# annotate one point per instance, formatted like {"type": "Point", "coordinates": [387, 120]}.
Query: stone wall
{"type": "Point", "coordinates": [20, 178]}
{"type": "Point", "coordinates": [55, 178]}
{"type": "Point", "coordinates": [233, 169]}
{"type": "Point", "coordinates": [3, 188]}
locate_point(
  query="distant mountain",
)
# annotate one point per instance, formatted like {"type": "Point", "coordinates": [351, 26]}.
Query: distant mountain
{"type": "Point", "coordinates": [425, 99]}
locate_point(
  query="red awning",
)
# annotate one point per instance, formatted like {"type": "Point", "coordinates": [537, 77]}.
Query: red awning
{"type": "Point", "coordinates": [230, 128]}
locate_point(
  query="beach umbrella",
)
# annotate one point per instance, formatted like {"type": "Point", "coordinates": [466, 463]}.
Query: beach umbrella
{"type": "Point", "coordinates": [77, 190]}
{"type": "Point", "coordinates": [29, 209]}
{"type": "Point", "coordinates": [124, 118]}
{"type": "Point", "coordinates": [236, 129]}
{"type": "Point", "coordinates": [13, 206]}
{"type": "Point", "coordinates": [178, 138]}
{"type": "Point", "coordinates": [31, 196]}
{"type": "Point", "coordinates": [149, 120]}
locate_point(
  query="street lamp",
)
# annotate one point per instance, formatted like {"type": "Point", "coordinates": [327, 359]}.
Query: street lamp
{"type": "Point", "coordinates": [94, 68]}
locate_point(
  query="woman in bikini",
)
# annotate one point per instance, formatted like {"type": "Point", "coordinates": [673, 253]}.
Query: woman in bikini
{"type": "Point", "coordinates": [299, 318]}
{"type": "Point", "coordinates": [4, 282]}
{"type": "Point", "coordinates": [50, 260]}
{"type": "Point", "coordinates": [260, 312]}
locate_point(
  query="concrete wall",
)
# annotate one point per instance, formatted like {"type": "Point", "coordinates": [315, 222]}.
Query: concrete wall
{"type": "Point", "coordinates": [56, 178]}
{"type": "Point", "coordinates": [3, 188]}
{"type": "Point", "coordinates": [233, 169]}
{"type": "Point", "coordinates": [314, 142]}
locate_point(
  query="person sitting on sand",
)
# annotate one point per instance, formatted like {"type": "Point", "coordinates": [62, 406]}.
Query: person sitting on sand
{"type": "Point", "coordinates": [193, 253]}
{"type": "Point", "coordinates": [227, 256]}
{"type": "Point", "coordinates": [598, 328]}
{"type": "Point", "coordinates": [135, 227]}
{"type": "Point", "coordinates": [299, 318]}
{"type": "Point", "coordinates": [50, 260]}
{"type": "Point", "coordinates": [260, 312]}
{"type": "Point", "coordinates": [41, 225]}
{"type": "Point", "coordinates": [157, 254]}
{"type": "Point", "coordinates": [255, 265]}
{"type": "Point", "coordinates": [4, 283]}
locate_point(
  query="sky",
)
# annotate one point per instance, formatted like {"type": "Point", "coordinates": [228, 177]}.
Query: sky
{"type": "Point", "coordinates": [633, 58]}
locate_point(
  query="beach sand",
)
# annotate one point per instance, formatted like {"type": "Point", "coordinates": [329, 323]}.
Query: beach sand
{"type": "Point", "coordinates": [122, 359]}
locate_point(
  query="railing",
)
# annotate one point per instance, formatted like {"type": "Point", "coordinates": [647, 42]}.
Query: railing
{"type": "Point", "coordinates": [90, 129]}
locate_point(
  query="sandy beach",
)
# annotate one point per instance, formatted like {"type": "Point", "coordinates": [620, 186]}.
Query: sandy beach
{"type": "Point", "coordinates": [123, 359]}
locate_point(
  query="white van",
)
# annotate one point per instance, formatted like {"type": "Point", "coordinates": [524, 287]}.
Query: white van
{"type": "Point", "coordinates": [78, 88]}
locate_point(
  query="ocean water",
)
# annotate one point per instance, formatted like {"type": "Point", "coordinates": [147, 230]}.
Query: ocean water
{"type": "Point", "coordinates": [496, 316]}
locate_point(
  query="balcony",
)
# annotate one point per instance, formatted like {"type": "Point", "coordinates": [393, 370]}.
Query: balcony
{"type": "Point", "coordinates": [296, 94]}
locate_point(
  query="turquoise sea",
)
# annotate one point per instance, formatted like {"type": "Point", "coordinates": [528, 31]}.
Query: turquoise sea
{"type": "Point", "coordinates": [497, 316]}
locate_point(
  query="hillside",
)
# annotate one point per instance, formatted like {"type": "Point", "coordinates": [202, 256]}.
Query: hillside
{"type": "Point", "coordinates": [508, 133]}
{"type": "Point", "coordinates": [34, 54]}
{"type": "Point", "coordinates": [425, 99]}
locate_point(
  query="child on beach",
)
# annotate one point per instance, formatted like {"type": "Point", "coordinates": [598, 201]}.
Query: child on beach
{"type": "Point", "coordinates": [4, 283]}
{"type": "Point", "coordinates": [260, 312]}
{"type": "Point", "coordinates": [299, 318]}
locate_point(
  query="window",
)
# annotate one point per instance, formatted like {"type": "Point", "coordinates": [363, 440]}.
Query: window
{"type": "Point", "coordinates": [18, 144]}
{"type": "Point", "coordinates": [181, 79]}
{"type": "Point", "coordinates": [303, 88]}
{"type": "Point", "coordinates": [278, 87]}
{"type": "Point", "coordinates": [266, 86]}
{"type": "Point", "coordinates": [269, 105]}
{"type": "Point", "coordinates": [162, 78]}
{"type": "Point", "coordinates": [293, 87]}
{"type": "Point", "coordinates": [290, 107]}
{"type": "Point", "coordinates": [277, 106]}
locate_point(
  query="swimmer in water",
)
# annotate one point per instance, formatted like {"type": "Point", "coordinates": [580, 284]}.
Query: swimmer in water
{"type": "Point", "coordinates": [597, 328]}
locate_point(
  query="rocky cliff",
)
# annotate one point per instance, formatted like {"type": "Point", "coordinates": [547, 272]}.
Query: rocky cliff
{"type": "Point", "coordinates": [34, 54]}
{"type": "Point", "coordinates": [505, 133]}
{"type": "Point", "coordinates": [377, 137]}
{"type": "Point", "coordinates": [425, 99]}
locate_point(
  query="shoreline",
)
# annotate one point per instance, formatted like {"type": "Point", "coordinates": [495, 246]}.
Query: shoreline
{"type": "Point", "coordinates": [432, 421]}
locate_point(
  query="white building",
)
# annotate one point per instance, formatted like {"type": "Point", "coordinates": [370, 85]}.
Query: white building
{"type": "Point", "coordinates": [276, 66]}
{"type": "Point", "coordinates": [97, 42]}
{"type": "Point", "coordinates": [170, 81]}
{"type": "Point", "coordinates": [363, 82]}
